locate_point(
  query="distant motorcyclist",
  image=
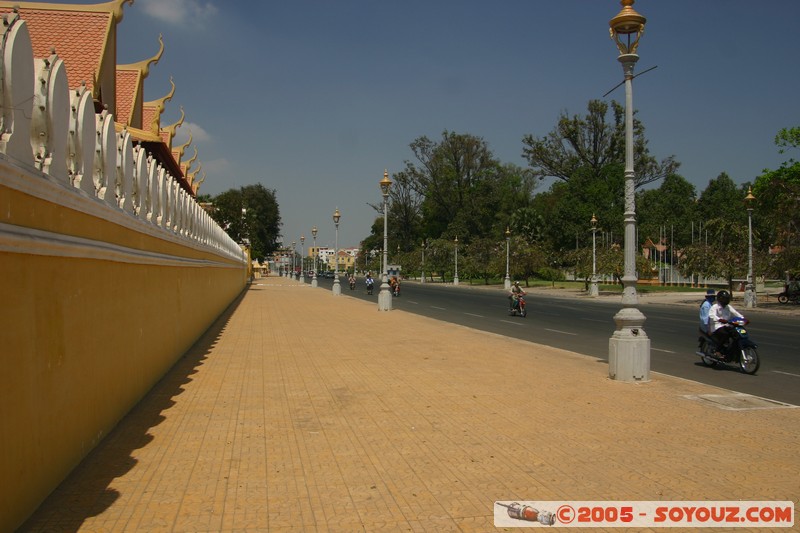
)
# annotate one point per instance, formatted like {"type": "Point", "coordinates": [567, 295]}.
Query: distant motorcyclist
{"type": "Point", "coordinates": [514, 295]}
{"type": "Point", "coordinates": [718, 316]}
{"type": "Point", "coordinates": [370, 282]}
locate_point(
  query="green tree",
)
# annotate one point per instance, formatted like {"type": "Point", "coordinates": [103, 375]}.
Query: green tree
{"type": "Point", "coordinates": [776, 209]}
{"type": "Point", "coordinates": [666, 214]}
{"type": "Point", "coordinates": [250, 215]}
{"type": "Point", "coordinates": [589, 144]}
{"type": "Point", "coordinates": [466, 191]}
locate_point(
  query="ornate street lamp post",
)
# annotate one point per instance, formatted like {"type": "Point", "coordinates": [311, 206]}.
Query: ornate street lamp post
{"type": "Point", "coordinates": [629, 346]}
{"type": "Point", "coordinates": [507, 283]}
{"type": "Point", "coordinates": [593, 291]}
{"type": "Point", "coordinates": [455, 276]}
{"type": "Point", "coordinates": [302, 259]}
{"type": "Point", "coordinates": [315, 252]}
{"type": "Point", "coordinates": [385, 296]}
{"type": "Point", "coordinates": [337, 289]}
{"type": "Point", "coordinates": [294, 254]}
{"type": "Point", "coordinates": [749, 290]}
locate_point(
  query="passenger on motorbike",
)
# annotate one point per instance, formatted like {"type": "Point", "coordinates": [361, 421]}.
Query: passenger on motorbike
{"type": "Point", "coordinates": [516, 292]}
{"type": "Point", "coordinates": [718, 316]}
{"type": "Point", "coordinates": [705, 307]}
{"type": "Point", "coordinates": [370, 282]}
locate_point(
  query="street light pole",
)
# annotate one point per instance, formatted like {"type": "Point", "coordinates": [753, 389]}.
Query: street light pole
{"type": "Point", "coordinates": [507, 283]}
{"type": "Point", "coordinates": [455, 276]}
{"type": "Point", "coordinates": [629, 346]}
{"type": "Point", "coordinates": [294, 254]}
{"type": "Point", "coordinates": [385, 296]}
{"type": "Point", "coordinates": [315, 252]}
{"type": "Point", "coordinates": [593, 291]}
{"type": "Point", "coordinates": [749, 290]}
{"type": "Point", "coordinates": [337, 288]}
{"type": "Point", "coordinates": [302, 259]}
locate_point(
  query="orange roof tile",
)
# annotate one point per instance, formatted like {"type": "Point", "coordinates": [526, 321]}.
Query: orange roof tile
{"type": "Point", "coordinates": [128, 87]}
{"type": "Point", "coordinates": [81, 51]}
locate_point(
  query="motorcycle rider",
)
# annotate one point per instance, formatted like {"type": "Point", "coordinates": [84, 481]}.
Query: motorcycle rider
{"type": "Point", "coordinates": [718, 315]}
{"type": "Point", "coordinates": [352, 281]}
{"type": "Point", "coordinates": [516, 292]}
{"type": "Point", "coordinates": [370, 282]}
{"type": "Point", "coordinates": [705, 307]}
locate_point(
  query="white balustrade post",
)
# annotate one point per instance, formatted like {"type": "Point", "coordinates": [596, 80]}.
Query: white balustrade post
{"type": "Point", "coordinates": [50, 121]}
{"type": "Point", "coordinates": [16, 53]}
{"type": "Point", "coordinates": [81, 140]}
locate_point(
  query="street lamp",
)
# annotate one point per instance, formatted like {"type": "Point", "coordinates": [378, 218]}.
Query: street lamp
{"type": "Point", "coordinates": [507, 283]}
{"type": "Point", "coordinates": [593, 291]}
{"type": "Point", "coordinates": [302, 259]}
{"type": "Point", "coordinates": [455, 276]}
{"type": "Point", "coordinates": [629, 346]}
{"type": "Point", "coordinates": [337, 289]}
{"type": "Point", "coordinates": [294, 254]}
{"type": "Point", "coordinates": [385, 296]}
{"type": "Point", "coordinates": [315, 252]}
{"type": "Point", "coordinates": [749, 290]}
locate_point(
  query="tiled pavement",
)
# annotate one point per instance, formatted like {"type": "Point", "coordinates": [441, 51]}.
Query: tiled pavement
{"type": "Point", "coordinates": [301, 411]}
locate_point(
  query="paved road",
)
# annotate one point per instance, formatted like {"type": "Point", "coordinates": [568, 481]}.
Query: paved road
{"type": "Point", "coordinates": [584, 326]}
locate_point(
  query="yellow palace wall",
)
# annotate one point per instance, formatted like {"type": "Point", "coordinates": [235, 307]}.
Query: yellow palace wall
{"type": "Point", "coordinates": [93, 313]}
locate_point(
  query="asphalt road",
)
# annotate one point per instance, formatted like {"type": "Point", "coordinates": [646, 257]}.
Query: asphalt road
{"type": "Point", "coordinates": [584, 325]}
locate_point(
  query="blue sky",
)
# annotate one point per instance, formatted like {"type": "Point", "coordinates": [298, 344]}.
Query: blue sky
{"type": "Point", "coordinates": [315, 98]}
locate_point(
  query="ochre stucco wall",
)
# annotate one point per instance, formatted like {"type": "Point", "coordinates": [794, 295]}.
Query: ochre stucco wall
{"type": "Point", "coordinates": [83, 338]}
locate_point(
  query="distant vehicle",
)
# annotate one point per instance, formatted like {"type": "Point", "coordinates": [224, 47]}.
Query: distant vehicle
{"type": "Point", "coordinates": [328, 274]}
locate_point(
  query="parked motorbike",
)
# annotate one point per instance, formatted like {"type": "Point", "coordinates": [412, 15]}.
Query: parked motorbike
{"type": "Point", "coordinates": [789, 296]}
{"type": "Point", "coordinates": [739, 350]}
{"type": "Point", "coordinates": [517, 306]}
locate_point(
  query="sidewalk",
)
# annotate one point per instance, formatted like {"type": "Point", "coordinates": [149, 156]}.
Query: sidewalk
{"type": "Point", "coordinates": [343, 418]}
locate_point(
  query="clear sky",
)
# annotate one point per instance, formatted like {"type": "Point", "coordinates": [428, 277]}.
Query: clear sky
{"type": "Point", "coordinates": [314, 98]}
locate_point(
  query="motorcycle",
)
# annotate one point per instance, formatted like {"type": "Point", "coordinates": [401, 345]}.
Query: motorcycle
{"type": "Point", "coordinates": [396, 289]}
{"type": "Point", "coordinates": [352, 284]}
{"type": "Point", "coordinates": [739, 350]}
{"type": "Point", "coordinates": [517, 307]}
{"type": "Point", "coordinates": [789, 296]}
{"type": "Point", "coordinates": [370, 285]}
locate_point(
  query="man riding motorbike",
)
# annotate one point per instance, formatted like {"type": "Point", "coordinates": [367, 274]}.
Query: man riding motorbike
{"type": "Point", "coordinates": [370, 283]}
{"type": "Point", "coordinates": [516, 292]}
{"type": "Point", "coordinates": [718, 316]}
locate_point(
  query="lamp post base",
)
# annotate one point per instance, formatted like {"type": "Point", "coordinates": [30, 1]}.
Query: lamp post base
{"type": "Point", "coordinates": [594, 291]}
{"type": "Point", "coordinates": [385, 297]}
{"type": "Point", "coordinates": [507, 283]}
{"type": "Point", "coordinates": [749, 296]}
{"type": "Point", "coordinates": [314, 282]}
{"type": "Point", "coordinates": [337, 288]}
{"type": "Point", "coordinates": [629, 348]}
{"type": "Point", "coordinates": [455, 280]}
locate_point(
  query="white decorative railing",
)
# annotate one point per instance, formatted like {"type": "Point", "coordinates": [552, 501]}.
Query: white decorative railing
{"type": "Point", "coordinates": [48, 128]}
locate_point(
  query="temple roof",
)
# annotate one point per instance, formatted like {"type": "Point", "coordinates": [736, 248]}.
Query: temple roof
{"type": "Point", "coordinates": [52, 26]}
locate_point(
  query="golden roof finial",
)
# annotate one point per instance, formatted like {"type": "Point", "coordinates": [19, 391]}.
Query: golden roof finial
{"type": "Point", "coordinates": [144, 65]}
{"type": "Point", "coordinates": [189, 162]}
{"type": "Point", "coordinates": [182, 147]}
{"type": "Point", "coordinates": [172, 128]}
{"type": "Point", "coordinates": [190, 175]}
{"type": "Point", "coordinates": [159, 105]}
